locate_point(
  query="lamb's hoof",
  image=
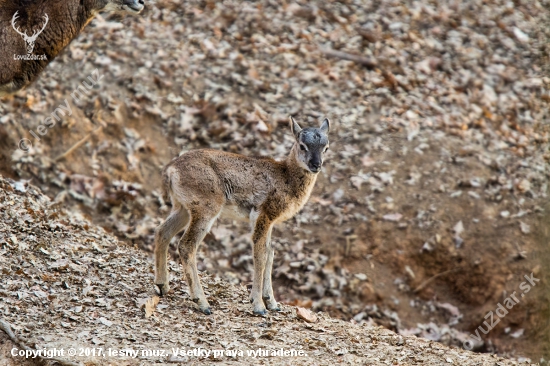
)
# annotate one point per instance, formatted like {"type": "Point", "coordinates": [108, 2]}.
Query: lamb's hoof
{"type": "Point", "coordinates": [260, 312]}
{"type": "Point", "coordinates": [162, 289]}
{"type": "Point", "coordinates": [203, 309]}
{"type": "Point", "coordinates": [271, 304]}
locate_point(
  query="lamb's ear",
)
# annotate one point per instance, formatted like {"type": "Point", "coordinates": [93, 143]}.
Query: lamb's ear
{"type": "Point", "coordinates": [325, 126]}
{"type": "Point", "coordinates": [295, 127]}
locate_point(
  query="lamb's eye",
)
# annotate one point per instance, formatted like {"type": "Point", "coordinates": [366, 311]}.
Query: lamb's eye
{"type": "Point", "coordinates": [326, 149]}
{"type": "Point", "coordinates": [302, 147]}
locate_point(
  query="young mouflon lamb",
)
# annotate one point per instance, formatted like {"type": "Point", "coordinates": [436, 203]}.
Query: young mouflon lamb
{"type": "Point", "coordinates": [206, 184]}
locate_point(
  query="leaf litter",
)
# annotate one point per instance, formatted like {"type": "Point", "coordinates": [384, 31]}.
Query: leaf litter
{"type": "Point", "coordinates": [442, 108]}
{"type": "Point", "coordinates": [52, 311]}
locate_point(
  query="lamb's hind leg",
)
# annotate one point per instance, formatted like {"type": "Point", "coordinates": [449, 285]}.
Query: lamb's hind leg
{"type": "Point", "coordinates": [198, 227]}
{"type": "Point", "coordinates": [163, 235]}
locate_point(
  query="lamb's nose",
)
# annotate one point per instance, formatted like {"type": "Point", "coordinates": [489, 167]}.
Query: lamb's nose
{"type": "Point", "coordinates": [315, 167]}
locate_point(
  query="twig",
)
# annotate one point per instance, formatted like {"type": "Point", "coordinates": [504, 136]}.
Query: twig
{"type": "Point", "coordinates": [369, 62]}
{"type": "Point", "coordinates": [78, 144]}
{"type": "Point", "coordinates": [425, 283]}
{"type": "Point", "coordinates": [6, 327]}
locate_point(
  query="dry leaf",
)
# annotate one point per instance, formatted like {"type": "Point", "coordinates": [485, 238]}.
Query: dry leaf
{"type": "Point", "coordinates": [306, 315]}
{"type": "Point", "coordinates": [367, 161]}
{"type": "Point", "coordinates": [150, 306]}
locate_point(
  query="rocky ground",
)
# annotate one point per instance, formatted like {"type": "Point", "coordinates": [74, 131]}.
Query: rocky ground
{"type": "Point", "coordinates": [428, 211]}
{"type": "Point", "coordinates": [67, 284]}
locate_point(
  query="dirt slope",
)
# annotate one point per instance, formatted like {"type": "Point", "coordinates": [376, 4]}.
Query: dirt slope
{"type": "Point", "coordinates": [67, 284]}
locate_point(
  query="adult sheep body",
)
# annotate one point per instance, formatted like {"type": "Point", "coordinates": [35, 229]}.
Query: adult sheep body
{"type": "Point", "coordinates": [34, 32]}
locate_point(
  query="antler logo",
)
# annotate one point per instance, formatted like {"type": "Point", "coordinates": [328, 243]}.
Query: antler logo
{"type": "Point", "coordinates": [30, 40]}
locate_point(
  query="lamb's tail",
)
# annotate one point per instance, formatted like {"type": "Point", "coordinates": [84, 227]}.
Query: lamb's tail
{"type": "Point", "coordinates": [166, 184]}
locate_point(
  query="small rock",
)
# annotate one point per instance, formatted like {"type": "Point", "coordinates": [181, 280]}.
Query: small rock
{"type": "Point", "coordinates": [456, 194]}
{"type": "Point", "coordinates": [338, 194]}
{"type": "Point", "coordinates": [518, 333]}
{"type": "Point", "coordinates": [520, 35]}
{"type": "Point", "coordinates": [393, 217]}
{"type": "Point", "coordinates": [105, 322]}
{"type": "Point", "coordinates": [360, 316]}
{"type": "Point", "coordinates": [261, 126]}
{"type": "Point", "coordinates": [41, 294]}
{"type": "Point", "coordinates": [427, 247]}
{"type": "Point", "coordinates": [176, 359]}
{"type": "Point", "coordinates": [458, 241]}
{"type": "Point", "coordinates": [474, 195]}
{"type": "Point", "coordinates": [526, 229]}
{"type": "Point", "coordinates": [458, 228]}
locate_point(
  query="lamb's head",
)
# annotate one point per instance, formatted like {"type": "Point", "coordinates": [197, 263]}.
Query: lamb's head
{"type": "Point", "coordinates": [130, 6]}
{"type": "Point", "coordinates": [311, 145]}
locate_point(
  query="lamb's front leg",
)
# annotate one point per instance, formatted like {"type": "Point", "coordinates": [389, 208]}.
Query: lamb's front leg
{"type": "Point", "coordinates": [262, 229]}
{"type": "Point", "coordinates": [267, 292]}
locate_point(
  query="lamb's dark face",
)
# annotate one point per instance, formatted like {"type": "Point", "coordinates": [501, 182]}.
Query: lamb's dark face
{"type": "Point", "coordinates": [312, 143]}
{"type": "Point", "coordinates": [130, 6]}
